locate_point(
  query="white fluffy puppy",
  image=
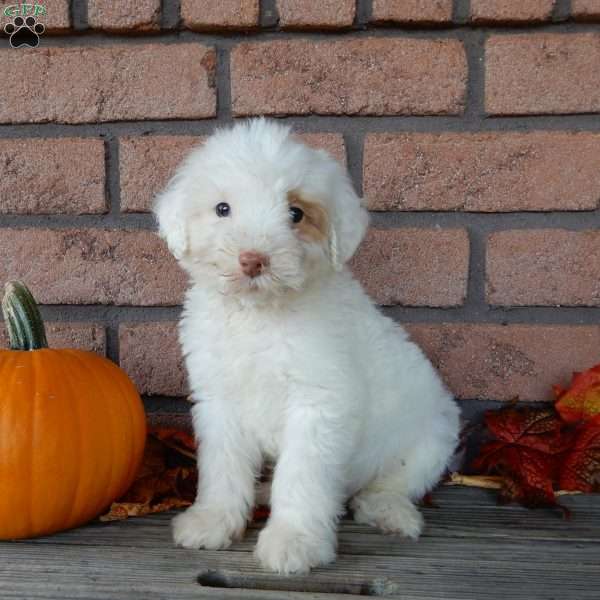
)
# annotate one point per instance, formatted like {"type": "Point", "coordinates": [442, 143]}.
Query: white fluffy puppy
{"type": "Point", "coordinates": [287, 357]}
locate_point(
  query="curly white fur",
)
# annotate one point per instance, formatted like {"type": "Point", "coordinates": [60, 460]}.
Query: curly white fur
{"type": "Point", "coordinates": [296, 365]}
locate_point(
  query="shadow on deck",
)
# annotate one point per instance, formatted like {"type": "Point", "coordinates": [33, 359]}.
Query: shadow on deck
{"type": "Point", "coordinates": [471, 549]}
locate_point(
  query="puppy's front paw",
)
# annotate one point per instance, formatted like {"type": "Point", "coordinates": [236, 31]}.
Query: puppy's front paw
{"type": "Point", "coordinates": [204, 527]}
{"type": "Point", "coordinates": [392, 513]}
{"type": "Point", "coordinates": [285, 549]}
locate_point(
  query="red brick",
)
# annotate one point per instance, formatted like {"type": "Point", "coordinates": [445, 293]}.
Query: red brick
{"type": "Point", "coordinates": [496, 362]}
{"type": "Point", "coordinates": [125, 15]}
{"type": "Point", "coordinates": [414, 267]}
{"type": "Point", "coordinates": [307, 14]}
{"type": "Point", "coordinates": [543, 267]}
{"type": "Point", "coordinates": [83, 336]}
{"type": "Point", "coordinates": [47, 176]}
{"type": "Point", "coordinates": [108, 83]}
{"type": "Point", "coordinates": [585, 10]}
{"type": "Point", "coordinates": [147, 163]}
{"type": "Point", "coordinates": [412, 11]}
{"type": "Point", "coordinates": [58, 15]}
{"type": "Point", "coordinates": [225, 14]}
{"type": "Point", "coordinates": [368, 76]}
{"type": "Point", "coordinates": [484, 172]}
{"type": "Point", "coordinates": [549, 73]}
{"type": "Point", "coordinates": [511, 11]}
{"type": "Point", "coordinates": [92, 266]}
{"type": "Point", "coordinates": [150, 354]}
{"type": "Point", "coordinates": [333, 143]}
{"type": "Point", "coordinates": [56, 20]}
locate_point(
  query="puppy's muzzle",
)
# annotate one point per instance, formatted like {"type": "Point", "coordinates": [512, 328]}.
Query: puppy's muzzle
{"type": "Point", "coordinates": [253, 263]}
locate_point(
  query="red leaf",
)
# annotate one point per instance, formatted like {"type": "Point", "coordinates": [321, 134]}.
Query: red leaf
{"type": "Point", "coordinates": [526, 453]}
{"type": "Point", "coordinates": [581, 468]}
{"type": "Point", "coordinates": [581, 402]}
{"type": "Point", "coordinates": [540, 429]}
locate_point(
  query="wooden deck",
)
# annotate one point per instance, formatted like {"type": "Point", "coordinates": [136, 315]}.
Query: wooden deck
{"type": "Point", "coordinates": [471, 549]}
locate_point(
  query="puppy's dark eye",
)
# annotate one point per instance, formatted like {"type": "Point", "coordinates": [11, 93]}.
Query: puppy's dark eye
{"type": "Point", "coordinates": [223, 209]}
{"type": "Point", "coordinates": [296, 214]}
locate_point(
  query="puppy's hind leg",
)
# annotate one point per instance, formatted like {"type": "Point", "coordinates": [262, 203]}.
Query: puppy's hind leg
{"type": "Point", "coordinates": [387, 502]}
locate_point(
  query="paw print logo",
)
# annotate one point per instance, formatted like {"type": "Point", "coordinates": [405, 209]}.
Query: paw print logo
{"type": "Point", "coordinates": [24, 32]}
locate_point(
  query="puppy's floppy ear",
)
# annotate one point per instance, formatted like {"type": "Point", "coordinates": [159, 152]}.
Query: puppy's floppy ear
{"type": "Point", "coordinates": [349, 221]}
{"type": "Point", "coordinates": [168, 209]}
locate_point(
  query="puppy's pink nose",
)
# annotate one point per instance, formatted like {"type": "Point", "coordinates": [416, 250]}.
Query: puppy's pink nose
{"type": "Point", "coordinates": [252, 263]}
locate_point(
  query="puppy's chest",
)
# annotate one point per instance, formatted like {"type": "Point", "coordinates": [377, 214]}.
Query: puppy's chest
{"type": "Point", "coordinates": [243, 362]}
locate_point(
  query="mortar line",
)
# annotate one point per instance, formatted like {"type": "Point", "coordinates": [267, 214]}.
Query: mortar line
{"type": "Point", "coordinates": [269, 15]}
{"type": "Point", "coordinates": [471, 123]}
{"type": "Point", "coordinates": [229, 38]}
{"type": "Point", "coordinates": [561, 11]}
{"type": "Point", "coordinates": [110, 220]}
{"type": "Point", "coordinates": [112, 342]}
{"type": "Point", "coordinates": [170, 14]}
{"type": "Point", "coordinates": [474, 42]}
{"type": "Point", "coordinates": [354, 143]}
{"type": "Point", "coordinates": [486, 222]}
{"type": "Point", "coordinates": [461, 12]}
{"type": "Point", "coordinates": [111, 315]}
{"type": "Point", "coordinates": [489, 222]}
{"type": "Point", "coordinates": [113, 185]}
{"type": "Point", "coordinates": [223, 85]}
{"type": "Point", "coordinates": [475, 301]}
{"type": "Point", "coordinates": [497, 315]}
{"type": "Point", "coordinates": [364, 13]}
{"type": "Point", "coordinates": [79, 15]}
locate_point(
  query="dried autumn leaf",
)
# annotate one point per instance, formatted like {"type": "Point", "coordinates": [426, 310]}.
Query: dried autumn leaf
{"type": "Point", "coordinates": [526, 453]}
{"type": "Point", "coordinates": [527, 474]}
{"type": "Point", "coordinates": [538, 429]}
{"type": "Point", "coordinates": [581, 468]}
{"type": "Point", "coordinates": [123, 510]}
{"type": "Point", "coordinates": [166, 480]}
{"type": "Point", "coordinates": [182, 441]}
{"type": "Point", "coordinates": [581, 401]}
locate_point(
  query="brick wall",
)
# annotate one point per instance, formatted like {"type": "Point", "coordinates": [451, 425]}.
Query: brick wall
{"type": "Point", "coordinates": [471, 127]}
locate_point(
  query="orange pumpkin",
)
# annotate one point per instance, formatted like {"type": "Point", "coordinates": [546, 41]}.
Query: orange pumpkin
{"type": "Point", "coordinates": [72, 428]}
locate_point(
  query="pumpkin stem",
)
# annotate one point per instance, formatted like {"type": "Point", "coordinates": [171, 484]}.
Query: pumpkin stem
{"type": "Point", "coordinates": [23, 320]}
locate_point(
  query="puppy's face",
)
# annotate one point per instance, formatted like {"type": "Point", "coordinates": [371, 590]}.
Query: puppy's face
{"type": "Point", "coordinates": [254, 213]}
{"type": "Point", "coordinates": [249, 237]}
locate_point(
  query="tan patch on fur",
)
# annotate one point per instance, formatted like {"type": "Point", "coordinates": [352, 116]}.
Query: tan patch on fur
{"type": "Point", "coordinates": [314, 227]}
